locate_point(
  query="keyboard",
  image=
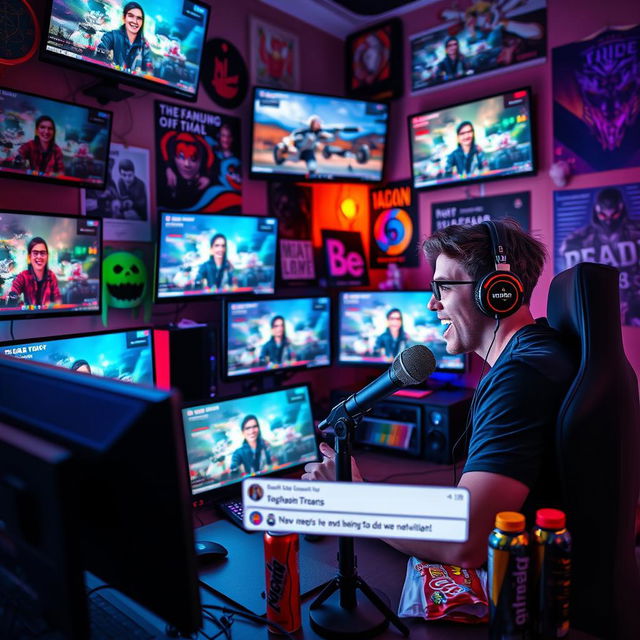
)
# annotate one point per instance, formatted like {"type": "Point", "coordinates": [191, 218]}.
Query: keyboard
{"type": "Point", "coordinates": [233, 509]}
{"type": "Point", "coordinates": [109, 622]}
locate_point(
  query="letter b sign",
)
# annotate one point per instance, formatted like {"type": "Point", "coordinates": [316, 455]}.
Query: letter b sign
{"type": "Point", "coordinates": [345, 258]}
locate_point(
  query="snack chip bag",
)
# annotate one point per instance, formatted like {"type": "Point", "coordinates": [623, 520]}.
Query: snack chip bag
{"type": "Point", "coordinates": [443, 591]}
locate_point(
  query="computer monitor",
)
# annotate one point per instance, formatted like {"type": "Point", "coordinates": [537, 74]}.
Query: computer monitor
{"type": "Point", "coordinates": [41, 571]}
{"type": "Point", "coordinates": [473, 141]}
{"type": "Point", "coordinates": [317, 137]}
{"type": "Point", "coordinates": [220, 437]}
{"type": "Point", "coordinates": [374, 326]}
{"type": "Point", "coordinates": [204, 255]}
{"type": "Point", "coordinates": [62, 251]}
{"type": "Point", "coordinates": [276, 335]}
{"type": "Point", "coordinates": [47, 140]}
{"type": "Point", "coordinates": [133, 501]}
{"type": "Point", "coordinates": [168, 39]}
{"type": "Point", "coordinates": [125, 354]}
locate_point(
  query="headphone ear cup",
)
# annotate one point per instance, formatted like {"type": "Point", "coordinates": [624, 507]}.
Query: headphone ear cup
{"type": "Point", "coordinates": [499, 294]}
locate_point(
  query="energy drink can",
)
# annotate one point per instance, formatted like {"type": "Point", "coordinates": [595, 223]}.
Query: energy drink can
{"type": "Point", "coordinates": [282, 580]}
{"type": "Point", "coordinates": [508, 576]}
{"type": "Point", "coordinates": [551, 584]}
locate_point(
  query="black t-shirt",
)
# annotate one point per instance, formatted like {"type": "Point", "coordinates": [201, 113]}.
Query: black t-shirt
{"type": "Point", "coordinates": [515, 411]}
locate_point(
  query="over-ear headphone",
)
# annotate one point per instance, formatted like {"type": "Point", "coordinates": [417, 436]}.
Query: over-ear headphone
{"type": "Point", "coordinates": [499, 293]}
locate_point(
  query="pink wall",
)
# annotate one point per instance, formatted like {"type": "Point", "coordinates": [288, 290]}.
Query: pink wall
{"type": "Point", "coordinates": [322, 67]}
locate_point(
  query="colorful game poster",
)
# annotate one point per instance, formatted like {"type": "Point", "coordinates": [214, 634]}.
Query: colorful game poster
{"type": "Point", "coordinates": [198, 164]}
{"type": "Point", "coordinates": [602, 225]}
{"type": "Point", "coordinates": [346, 263]}
{"type": "Point", "coordinates": [394, 229]}
{"type": "Point", "coordinates": [596, 100]}
{"type": "Point", "coordinates": [124, 203]}
{"type": "Point", "coordinates": [476, 210]}
{"type": "Point", "coordinates": [478, 37]}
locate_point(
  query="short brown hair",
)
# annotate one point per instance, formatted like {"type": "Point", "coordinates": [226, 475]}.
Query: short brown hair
{"type": "Point", "coordinates": [471, 247]}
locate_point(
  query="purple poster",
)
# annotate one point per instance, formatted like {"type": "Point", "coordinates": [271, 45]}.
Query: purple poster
{"type": "Point", "coordinates": [602, 225]}
{"type": "Point", "coordinates": [596, 100]}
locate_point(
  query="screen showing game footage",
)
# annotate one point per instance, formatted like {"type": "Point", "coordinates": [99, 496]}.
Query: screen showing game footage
{"type": "Point", "coordinates": [253, 435]}
{"type": "Point", "coordinates": [374, 326]}
{"type": "Point", "coordinates": [122, 355]}
{"type": "Point", "coordinates": [206, 255]}
{"type": "Point", "coordinates": [316, 137]}
{"type": "Point", "coordinates": [156, 46]}
{"type": "Point", "coordinates": [50, 264]}
{"type": "Point", "coordinates": [53, 141]}
{"type": "Point", "coordinates": [269, 335]}
{"type": "Point", "coordinates": [485, 139]}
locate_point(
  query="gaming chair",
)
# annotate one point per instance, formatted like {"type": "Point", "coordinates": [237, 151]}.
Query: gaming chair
{"type": "Point", "coordinates": [598, 453]}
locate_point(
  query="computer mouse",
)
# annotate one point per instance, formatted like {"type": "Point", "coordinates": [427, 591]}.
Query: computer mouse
{"type": "Point", "coordinates": [207, 551]}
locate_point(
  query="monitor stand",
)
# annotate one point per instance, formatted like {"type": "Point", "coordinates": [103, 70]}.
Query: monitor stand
{"type": "Point", "coordinates": [107, 91]}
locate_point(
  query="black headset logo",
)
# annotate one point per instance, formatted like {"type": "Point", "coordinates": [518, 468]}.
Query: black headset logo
{"type": "Point", "coordinates": [499, 293]}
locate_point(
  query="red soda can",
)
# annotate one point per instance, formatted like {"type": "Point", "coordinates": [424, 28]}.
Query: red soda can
{"type": "Point", "coordinates": [282, 580]}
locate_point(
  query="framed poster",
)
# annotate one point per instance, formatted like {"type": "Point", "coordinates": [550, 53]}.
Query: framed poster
{"type": "Point", "coordinates": [275, 56]}
{"type": "Point", "coordinates": [345, 260]}
{"type": "Point", "coordinates": [124, 203]}
{"type": "Point", "coordinates": [373, 60]}
{"type": "Point", "coordinates": [484, 37]}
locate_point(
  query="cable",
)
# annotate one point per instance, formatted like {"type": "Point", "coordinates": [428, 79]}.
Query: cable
{"type": "Point", "coordinates": [472, 407]}
{"type": "Point", "coordinates": [251, 616]}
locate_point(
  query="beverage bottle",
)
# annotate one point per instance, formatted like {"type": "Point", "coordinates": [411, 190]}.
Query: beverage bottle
{"type": "Point", "coordinates": [551, 584]}
{"type": "Point", "coordinates": [508, 578]}
{"type": "Point", "coordinates": [282, 580]}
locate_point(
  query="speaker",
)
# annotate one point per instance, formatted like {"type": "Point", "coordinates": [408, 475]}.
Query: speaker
{"type": "Point", "coordinates": [186, 360]}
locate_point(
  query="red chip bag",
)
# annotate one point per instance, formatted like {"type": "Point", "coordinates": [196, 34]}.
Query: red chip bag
{"type": "Point", "coordinates": [443, 591]}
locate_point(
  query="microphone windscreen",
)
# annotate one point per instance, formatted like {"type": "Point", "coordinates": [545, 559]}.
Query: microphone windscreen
{"type": "Point", "coordinates": [414, 365]}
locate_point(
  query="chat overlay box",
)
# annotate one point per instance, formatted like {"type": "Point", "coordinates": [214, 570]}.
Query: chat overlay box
{"type": "Point", "coordinates": [359, 509]}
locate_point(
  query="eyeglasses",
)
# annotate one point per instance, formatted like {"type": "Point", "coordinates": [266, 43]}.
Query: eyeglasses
{"type": "Point", "coordinates": [437, 284]}
{"type": "Point", "coordinates": [37, 253]}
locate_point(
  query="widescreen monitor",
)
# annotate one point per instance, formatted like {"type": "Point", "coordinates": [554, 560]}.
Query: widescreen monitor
{"type": "Point", "coordinates": [49, 140]}
{"type": "Point", "coordinates": [317, 137]}
{"type": "Point", "coordinates": [203, 255]}
{"type": "Point", "coordinates": [276, 334]}
{"type": "Point", "coordinates": [50, 264]}
{"type": "Point", "coordinates": [125, 355]}
{"type": "Point", "coordinates": [374, 326]}
{"type": "Point", "coordinates": [473, 141]}
{"type": "Point", "coordinates": [252, 435]}
{"type": "Point", "coordinates": [166, 36]}
{"type": "Point", "coordinates": [131, 500]}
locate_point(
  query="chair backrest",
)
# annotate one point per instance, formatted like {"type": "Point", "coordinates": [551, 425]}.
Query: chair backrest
{"type": "Point", "coordinates": [598, 449]}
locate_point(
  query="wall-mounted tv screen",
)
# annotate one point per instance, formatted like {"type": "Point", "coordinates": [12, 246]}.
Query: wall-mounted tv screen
{"type": "Point", "coordinates": [156, 46]}
{"type": "Point", "coordinates": [49, 264]}
{"type": "Point", "coordinates": [374, 326]}
{"type": "Point", "coordinates": [125, 354]}
{"type": "Point", "coordinates": [317, 137]}
{"type": "Point", "coordinates": [252, 435]}
{"type": "Point", "coordinates": [206, 255]}
{"type": "Point", "coordinates": [53, 141]}
{"type": "Point", "coordinates": [484, 139]}
{"type": "Point", "coordinates": [275, 334]}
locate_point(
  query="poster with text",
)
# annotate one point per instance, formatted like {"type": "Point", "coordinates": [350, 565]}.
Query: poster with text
{"type": "Point", "coordinates": [197, 160]}
{"type": "Point", "coordinates": [124, 203]}
{"type": "Point", "coordinates": [394, 228]}
{"type": "Point", "coordinates": [474, 38]}
{"type": "Point", "coordinates": [345, 260]}
{"type": "Point", "coordinates": [596, 100]}
{"type": "Point", "coordinates": [476, 210]}
{"type": "Point", "coordinates": [602, 225]}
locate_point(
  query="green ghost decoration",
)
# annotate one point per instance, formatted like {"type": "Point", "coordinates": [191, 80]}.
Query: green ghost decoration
{"type": "Point", "coordinates": [124, 284]}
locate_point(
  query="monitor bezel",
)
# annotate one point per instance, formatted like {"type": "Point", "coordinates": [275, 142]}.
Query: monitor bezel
{"type": "Point", "coordinates": [208, 296]}
{"type": "Point", "coordinates": [268, 372]}
{"type": "Point", "coordinates": [61, 181]}
{"type": "Point", "coordinates": [384, 365]}
{"type": "Point", "coordinates": [117, 76]}
{"type": "Point", "coordinates": [209, 496]}
{"type": "Point", "coordinates": [56, 338]}
{"type": "Point", "coordinates": [478, 179]}
{"type": "Point", "coordinates": [296, 177]}
{"type": "Point", "coordinates": [29, 315]}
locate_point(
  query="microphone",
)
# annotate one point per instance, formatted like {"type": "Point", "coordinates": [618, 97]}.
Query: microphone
{"type": "Point", "coordinates": [411, 366]}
